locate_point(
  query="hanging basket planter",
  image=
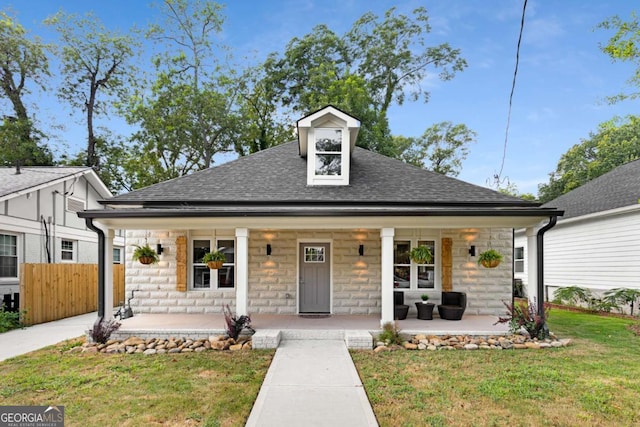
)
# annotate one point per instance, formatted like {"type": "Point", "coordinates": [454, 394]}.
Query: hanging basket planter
{"type": "Point", "coordinates": [214, 265]}
{"type": "Point", "coordinates": [146, 260]}
{"type": "Point", "coordinates": [490, 263]}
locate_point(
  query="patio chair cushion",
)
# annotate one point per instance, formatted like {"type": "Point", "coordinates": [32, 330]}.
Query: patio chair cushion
{"type": "Point", "coordinates": [453, 305]}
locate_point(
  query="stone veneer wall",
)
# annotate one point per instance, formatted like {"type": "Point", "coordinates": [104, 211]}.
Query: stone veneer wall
{"type": "Point", "coordinates": [156, 283]}
{"type": "Point", "coordinates": [486, 288]}
{"type": "Point", "coordinates": [356, 280]}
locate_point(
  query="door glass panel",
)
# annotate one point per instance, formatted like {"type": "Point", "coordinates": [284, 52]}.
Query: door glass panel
{"type": "Point", "coordinates": [313, 254]}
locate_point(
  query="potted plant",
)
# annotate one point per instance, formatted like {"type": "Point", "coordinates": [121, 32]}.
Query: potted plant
{"type": "Point", "coordinates": [421, 254]}
{"type": "Point", "coordinates": [214, 260]}
{"type": "Point", "coordinates": [145, 255]}
{"type": "Point", "coordinates": [490, 258]}
{"type": "Point", "coordinates": [425, 308]}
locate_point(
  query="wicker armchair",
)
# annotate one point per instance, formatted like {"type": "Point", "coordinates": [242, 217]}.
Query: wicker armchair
{"type": "Point", "coordinates": [453, 305]}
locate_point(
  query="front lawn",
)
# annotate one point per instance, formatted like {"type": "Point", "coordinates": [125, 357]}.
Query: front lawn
{"type": "Point", "coordinates": [196, 389]}
{"type": "Point", "coordinates": [595, 381]}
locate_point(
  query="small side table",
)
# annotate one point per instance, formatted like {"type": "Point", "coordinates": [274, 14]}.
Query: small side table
{"type": "Point", "coordinates": [425, 311]}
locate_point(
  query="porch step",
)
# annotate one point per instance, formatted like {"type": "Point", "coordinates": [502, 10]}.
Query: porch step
{"type": "Point", "coordinates": [358, 340]}
{"type": "Point", "coordinates": [266, 338]}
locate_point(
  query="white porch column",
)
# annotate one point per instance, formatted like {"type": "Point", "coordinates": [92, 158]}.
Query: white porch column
{"type": "Point", "coordinates": [242, 271]}
{"type": "Point", "coordinates": [108, 274]}
{"type": "Point", "coordinates": [386, 274]}
{"type": "Point", "coordinates": [532, 265]}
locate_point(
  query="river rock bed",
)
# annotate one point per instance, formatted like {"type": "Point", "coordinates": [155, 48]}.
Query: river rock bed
{"type": "Point", "coordinates": [468, 342]}
{"type": "Point", "coordinates": [133, 345]}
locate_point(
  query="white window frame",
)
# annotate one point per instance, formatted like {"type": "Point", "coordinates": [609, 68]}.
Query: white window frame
{"type": "Point", "coordinates": [213, 277]}
{"type": "Point", "coordinates": [317, 152]}
{"type": "Point", "coordinates": [413, 267]}
{"type": "Point", "coordinates": [17, 276]}
{"type": "Point", "coordinates": [518, 261]}
{"type": "Point", "coordinates": [74, 250]}
{"type": "Point", "coordinates": [119, 252]}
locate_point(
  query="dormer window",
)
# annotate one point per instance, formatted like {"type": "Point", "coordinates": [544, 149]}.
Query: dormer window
{"type": "Point", "coordinates": [326, 139]}
{"type": "Point", "coordinates": [328, 151]}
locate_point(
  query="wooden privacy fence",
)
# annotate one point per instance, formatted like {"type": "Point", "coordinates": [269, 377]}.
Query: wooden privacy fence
{"type": "Point", "coordinates": [56, 291]}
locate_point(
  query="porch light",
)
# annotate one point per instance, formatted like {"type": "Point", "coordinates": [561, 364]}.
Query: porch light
{"type": "Point", "coordinates": [268, 249]}
{"type": "Point", "coordinates": [361, 250]}
{"type": "Point", "coordinates": [472, 250]}
{"type": "Point", "coordinates": [159, 249]}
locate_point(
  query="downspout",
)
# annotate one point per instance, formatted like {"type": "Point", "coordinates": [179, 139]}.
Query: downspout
{"type": "Point", "coordinates": [101, 241]}
{"type": "Point", "coordinates": [540, 260]}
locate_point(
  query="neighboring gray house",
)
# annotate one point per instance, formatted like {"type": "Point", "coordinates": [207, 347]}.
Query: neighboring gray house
{"type": "Point", "coordinates": [316, 225]}
{"type": "Point", "coordinates": [39, 221]}
{"type": "Point", "coordinates": [596, 244]}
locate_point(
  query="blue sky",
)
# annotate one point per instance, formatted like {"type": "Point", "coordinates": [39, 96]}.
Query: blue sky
{"type": "Point", "coordinates": [562, 79]}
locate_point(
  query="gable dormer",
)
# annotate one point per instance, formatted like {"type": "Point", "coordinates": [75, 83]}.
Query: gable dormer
{"type": "Point", "coordinates": [326, 139]}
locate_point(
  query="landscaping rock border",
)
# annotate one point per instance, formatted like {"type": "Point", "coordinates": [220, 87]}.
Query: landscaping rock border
{"type": "Point", "coordinates": [469, 342]}
{"type": "Point", "coordinates": [173, 345]}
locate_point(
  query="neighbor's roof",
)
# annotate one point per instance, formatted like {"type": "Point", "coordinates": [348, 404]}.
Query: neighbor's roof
{"type": "Point", "coordinates": [615, 189]}
{"type": "Point", "coordinates": [32, 178]}
{"type": "Point", "coordinates": [279, 175]}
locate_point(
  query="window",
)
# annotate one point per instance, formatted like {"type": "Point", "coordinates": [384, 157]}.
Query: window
{"type": "Point", "coordinates": [116, 256]}
{"type": "Point", "coordinates": [518, 260]}
{"type": "Point", "coordinates": [313, 254]}
{"type": "Point", "coordinates": [8, 256]}
{"type": "Point", "coordinates": [224, 278]}
{"type": "Point", "coordinates": [67, 248]}
{"type": "Point", "coordinates": [409, 275]}
{"type": "Point", "coordinates": [328, 151]}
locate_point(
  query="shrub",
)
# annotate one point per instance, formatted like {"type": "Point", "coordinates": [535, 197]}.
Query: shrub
{"type": "Point", "coordinates": [390, 334]}
{"type": "Point", "coordinates": [235, 324]}
{"type": "Point", "coordinates": [573, 295]}
{"type": "Point", "coordinates": [102, 330]}
{"type": "Point", "coordinates": [622, 296]}
{"type": "Point", "coordinates": [526, 316]}
{"type": "Point", "coordinates": [9, 319]}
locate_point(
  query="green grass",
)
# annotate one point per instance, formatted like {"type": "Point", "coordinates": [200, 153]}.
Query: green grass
{"type": "Point", "coordinates": [595, 381]}
{"type": "Point", "coordinates": [196, 389]}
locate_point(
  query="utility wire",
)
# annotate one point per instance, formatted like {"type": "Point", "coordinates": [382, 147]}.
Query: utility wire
{"type": "Point", "coordinates": [513, 87]}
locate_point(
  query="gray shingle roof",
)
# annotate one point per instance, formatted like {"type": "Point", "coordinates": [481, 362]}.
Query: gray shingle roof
{"type": "Point", "coordinates": [615, 189]}
{"type": "Point", "coordinates": [278, 175]}
{"type": "Point", "coordinates": [32, 176]}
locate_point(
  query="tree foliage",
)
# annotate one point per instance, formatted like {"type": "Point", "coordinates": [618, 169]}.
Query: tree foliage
{"type": "Point", "coordinates": [96, 64]}
{"type": "Point", "coordinates": [624, 46]}
{"type": "Point", "coordinates": [365, 71]}
{"type": "Point", "coordinates": [442, 147]}
{"type": "Point", "coordinates": [23, 62]}
{"type": "Point", "coordinates": [616, 143]}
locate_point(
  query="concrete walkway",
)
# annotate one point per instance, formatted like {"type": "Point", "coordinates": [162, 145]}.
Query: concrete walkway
{"type": "Point", "coordinates": [21, 341]}
{"type": "Point", "coordinates": [312, 383]}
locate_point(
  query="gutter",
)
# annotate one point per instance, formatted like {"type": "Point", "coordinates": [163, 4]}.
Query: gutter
{"type": "Point", "coordinates": [101, 242]}
{"type": "Point", "coordinates": [540, 272]}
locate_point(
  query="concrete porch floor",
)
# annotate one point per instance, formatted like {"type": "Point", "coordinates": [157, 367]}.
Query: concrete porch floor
{"type": "Point", "coordinates": [203, 324]}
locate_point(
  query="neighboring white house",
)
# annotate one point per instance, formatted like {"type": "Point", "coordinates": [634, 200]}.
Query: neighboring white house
{"type": "Point", "coordinates": [317, 225]}
{"type": "Point", "coordinates": [596, 244]}
{"type": "Point", "coordinates": [39, 221]}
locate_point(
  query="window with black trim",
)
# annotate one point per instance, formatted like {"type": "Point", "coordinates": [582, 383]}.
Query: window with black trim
{"type": "Point", "coordinates": [518, 260]}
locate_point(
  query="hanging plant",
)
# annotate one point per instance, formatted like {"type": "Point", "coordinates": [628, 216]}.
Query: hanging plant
{"type": "Point", "coordinates": [214, 260]}
{"type": "Point", "coordinates": [490, 258]}
{"type": "Point", "coordinates": [421, 255]}
{"type": "Point", "coordinates": [145, 255]}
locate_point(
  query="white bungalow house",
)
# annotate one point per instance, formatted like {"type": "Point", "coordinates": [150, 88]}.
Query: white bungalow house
{"type": "Point", "coordinates": [316, 225]}
{"type": "Point", "coordinates": [39, 221]}
{"type": "Point", "coordinates": [596, 244]}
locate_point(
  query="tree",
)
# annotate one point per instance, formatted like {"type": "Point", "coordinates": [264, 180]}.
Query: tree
{"type": "Point", "coordinates": [95, 68]}
{"type": "Point", "coordinates": [442, 147]}
{"type": "Point", "coordinates": [22, 61]}
{"type": "Point", "coordinates": [624, 46]}
{"type": "Point", "coordinates": [365, 71]}
{"type": "Point", "coordinates": [616, 142]}
{"type": "Point", "coordinates": [186, 116]}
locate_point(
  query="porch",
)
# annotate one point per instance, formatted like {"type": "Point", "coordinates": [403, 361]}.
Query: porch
{"type": "Point", "coordinates": [301, 327]}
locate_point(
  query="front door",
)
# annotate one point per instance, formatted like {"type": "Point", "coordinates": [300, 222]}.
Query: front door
{"type": "Point", "coordinates": [315, 274]}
